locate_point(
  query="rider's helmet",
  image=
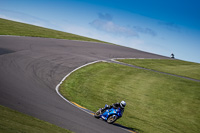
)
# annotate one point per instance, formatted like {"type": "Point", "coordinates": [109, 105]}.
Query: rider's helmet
{"type": "Point", "coordinates": [122, 104]}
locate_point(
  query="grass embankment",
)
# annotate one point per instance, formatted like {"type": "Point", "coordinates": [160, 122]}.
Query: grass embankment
{"type": "Point", "coordinates": [156, 103]}
{"type": "Point", "coordinates": [178, 67]}
{"type": "Point", "coordinates": [16, 122]}
{"type": "Point", "coordinates": [8, 27]}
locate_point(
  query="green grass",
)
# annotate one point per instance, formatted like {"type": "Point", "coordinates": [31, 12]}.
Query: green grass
{"type": "Point", "coordinates": [8, 27]}
{"type": "Point", "coordinates": [156, 103]}
{"type": "Point", "coordinates": [178, 67]}
{"type": "Point", "coordinates": [16, 122]}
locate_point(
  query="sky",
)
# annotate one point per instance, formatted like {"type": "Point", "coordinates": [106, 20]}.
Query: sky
{"type": "Point", "coordinates": [158, 26]}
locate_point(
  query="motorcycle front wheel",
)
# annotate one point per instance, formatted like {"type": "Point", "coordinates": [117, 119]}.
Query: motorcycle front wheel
{"type": "Point", "coordinates": [97, 114]}
{"type": "Point", "coordinates": [111, 119]}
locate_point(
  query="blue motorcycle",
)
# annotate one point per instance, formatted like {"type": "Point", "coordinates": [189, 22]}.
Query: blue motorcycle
{"type": "Point", "coordinates": [109, 115]}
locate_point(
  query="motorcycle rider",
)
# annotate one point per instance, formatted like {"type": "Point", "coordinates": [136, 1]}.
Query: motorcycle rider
{"type": "Point", "coordinates": [172, 55]}
{"type": "Point", "coordinates": [120, 105]}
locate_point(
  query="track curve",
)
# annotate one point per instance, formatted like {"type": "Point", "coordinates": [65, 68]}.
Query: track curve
{"type": "Point", "coordinates": [30, 69]}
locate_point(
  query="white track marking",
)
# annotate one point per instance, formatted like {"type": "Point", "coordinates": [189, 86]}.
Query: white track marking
{"type": "Point", "coordinates": [57, 87]}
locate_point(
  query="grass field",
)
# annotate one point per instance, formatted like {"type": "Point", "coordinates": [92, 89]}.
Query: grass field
{"type": "Point", "coordinates": [178, 67]}
{"type": "Point", "coordinates": [16, 122]}
{"type": "Point", "coordinates": [8, 27]}
{"type": "Point", "coordinates": [156, 103]}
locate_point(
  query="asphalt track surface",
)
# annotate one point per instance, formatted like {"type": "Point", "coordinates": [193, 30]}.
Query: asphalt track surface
{"type": "Point", "coordinates": [31, 68]}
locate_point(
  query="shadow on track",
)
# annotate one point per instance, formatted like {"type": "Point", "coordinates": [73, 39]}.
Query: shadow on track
{"type": "Point", "coordinates": [5, 51]}
{"type": "Point", "coordinates": [130, 129]}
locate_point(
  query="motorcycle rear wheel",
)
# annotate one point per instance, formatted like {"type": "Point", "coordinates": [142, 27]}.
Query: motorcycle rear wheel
{"type": "Point", "coordinates": [111, 119]}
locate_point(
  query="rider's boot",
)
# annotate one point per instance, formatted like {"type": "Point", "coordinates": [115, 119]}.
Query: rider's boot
{"type": "Point", "coordinates": [103, 110]}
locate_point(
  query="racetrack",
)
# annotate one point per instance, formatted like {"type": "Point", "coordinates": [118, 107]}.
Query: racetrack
{"type": "Point", "coordinates": [30, 69]}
